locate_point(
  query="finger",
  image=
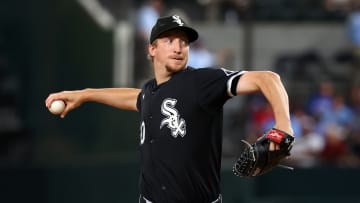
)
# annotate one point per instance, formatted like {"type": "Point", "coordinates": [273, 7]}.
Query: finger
{"type": "Point", "coordinates": [50, 99]}
{"type": "Point", "coordinates": [67, 109]}
{"type": "Point", "coordinates": [272, 146]}
{"type": "Point", "coordinates": [63, 114]}
{"type": "Point", "coordinates": [277, 147]}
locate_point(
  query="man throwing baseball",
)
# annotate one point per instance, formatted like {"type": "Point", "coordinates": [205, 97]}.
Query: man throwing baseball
{"type": "Point", "coordinates": [181, 118]}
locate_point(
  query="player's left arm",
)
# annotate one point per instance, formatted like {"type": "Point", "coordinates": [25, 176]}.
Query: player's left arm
{"type": "Point", "coordinates": [270, 85]}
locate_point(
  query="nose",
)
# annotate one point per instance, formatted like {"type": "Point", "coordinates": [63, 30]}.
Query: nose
{"type": "Point", "coordinates": [177, 46]}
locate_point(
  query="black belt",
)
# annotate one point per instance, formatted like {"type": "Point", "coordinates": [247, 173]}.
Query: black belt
{"type": "Point", "coordinates": [143, 199]}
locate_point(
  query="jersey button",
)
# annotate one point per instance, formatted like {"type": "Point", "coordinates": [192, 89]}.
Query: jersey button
{"type": "Point", "coordinates": [152, 141]}
{"type": "Point", "coordinates": [163, 187]}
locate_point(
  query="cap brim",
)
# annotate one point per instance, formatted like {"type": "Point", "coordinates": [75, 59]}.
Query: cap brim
{"type": "Point", "coordinates": [191, 33]}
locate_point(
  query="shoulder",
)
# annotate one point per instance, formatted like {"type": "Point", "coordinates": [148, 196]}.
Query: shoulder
{"type": "Point", "coordinates": [206, 70]}
{"type": "Point", "coordinates": [217, 72]}
{"type": "Point", "coordinates": [148, 84]}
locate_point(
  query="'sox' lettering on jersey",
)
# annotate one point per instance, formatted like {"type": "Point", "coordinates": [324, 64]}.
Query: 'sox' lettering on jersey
{"type": "Point", "coordinates": [173, 121]}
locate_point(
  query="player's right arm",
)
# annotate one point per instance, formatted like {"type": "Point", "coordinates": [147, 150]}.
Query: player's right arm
{"type": "Point", "coordinates": [121, 98]}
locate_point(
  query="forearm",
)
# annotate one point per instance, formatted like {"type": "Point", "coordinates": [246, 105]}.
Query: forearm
{"type": "Point", "coordinates": [272, 88]}
{"type": "Point", "coordinates": [121, 98]}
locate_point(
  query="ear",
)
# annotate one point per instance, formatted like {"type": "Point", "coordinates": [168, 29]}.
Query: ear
{"type": "Point", "coordinates": [151, 50]}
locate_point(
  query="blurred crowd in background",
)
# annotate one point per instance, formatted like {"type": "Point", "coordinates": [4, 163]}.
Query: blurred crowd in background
{"type": "Point", "coordinates": [326, 120]}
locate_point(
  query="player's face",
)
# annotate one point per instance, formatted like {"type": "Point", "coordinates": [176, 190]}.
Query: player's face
{"type": "Point", "coordinates": [170, 51]}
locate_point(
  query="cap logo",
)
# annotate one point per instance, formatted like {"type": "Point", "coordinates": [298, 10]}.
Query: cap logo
{"type": "Point", "coordinates": [177, 20]}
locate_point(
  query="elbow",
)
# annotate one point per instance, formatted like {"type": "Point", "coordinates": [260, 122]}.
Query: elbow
{"type": "Point", "coordinates": [270, 76]}
{"type": "Point", "coordinates": [269, 79]}
{"type": "Point", "coordinates": [254, 81]}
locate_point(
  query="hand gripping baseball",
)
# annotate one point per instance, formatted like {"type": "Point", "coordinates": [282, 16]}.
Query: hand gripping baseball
{"type": "Point", "coordinates": [257, 159]}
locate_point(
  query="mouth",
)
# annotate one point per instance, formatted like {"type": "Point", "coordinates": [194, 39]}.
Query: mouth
{"type": "Point", "coordinates": [177, 58]}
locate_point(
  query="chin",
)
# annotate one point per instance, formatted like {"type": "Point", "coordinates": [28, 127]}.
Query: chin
{"type": "Point", "coordinates": [176, 68]}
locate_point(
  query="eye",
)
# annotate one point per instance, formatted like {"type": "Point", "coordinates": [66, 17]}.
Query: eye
{"type": "Point", "coordinates": [166, 40]}
{"type": "Point", "coordinates": [184, 42]}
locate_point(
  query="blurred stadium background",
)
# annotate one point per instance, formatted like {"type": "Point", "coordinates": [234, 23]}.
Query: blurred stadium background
{"type": "Point", "coordinates": [91, 156]}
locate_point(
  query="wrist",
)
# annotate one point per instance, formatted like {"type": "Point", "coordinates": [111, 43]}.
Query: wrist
{"type": "Point", "coordinates": [85, 95]}
{"type": "Point", "coordinates": [286, 128]}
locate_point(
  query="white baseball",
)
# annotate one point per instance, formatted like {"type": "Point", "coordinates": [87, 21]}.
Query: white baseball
{"type": "Point", "coordinates": [57, 107]}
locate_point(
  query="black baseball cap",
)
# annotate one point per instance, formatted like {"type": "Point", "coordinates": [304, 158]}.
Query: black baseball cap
{"type": "Point", "coordinates": [173, 22]}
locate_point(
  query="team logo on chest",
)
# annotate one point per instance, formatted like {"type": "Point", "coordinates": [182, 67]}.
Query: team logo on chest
{"type": "Point", "coordinates": [173, 121]}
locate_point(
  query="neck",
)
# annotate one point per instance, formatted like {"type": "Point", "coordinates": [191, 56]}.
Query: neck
{"type": "Point", "coordinates": [161, 78]}
{"type": "Point", "coordinates": [163, 74]}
